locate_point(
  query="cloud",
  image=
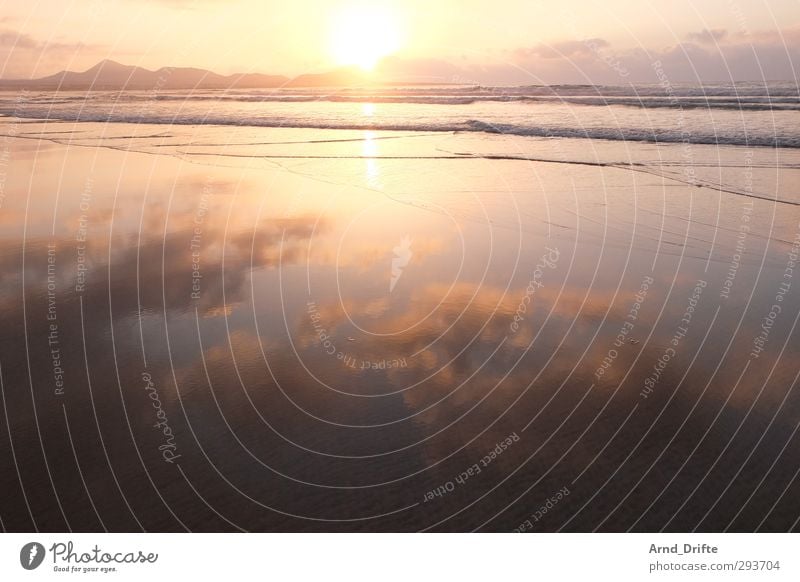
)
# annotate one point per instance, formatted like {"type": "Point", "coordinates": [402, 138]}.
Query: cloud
{"type": "Point", "coordinates": [764, 55]}
{"type": "Point", "coordinates": [20, 51]}
{"type": "Point", "coordinates": [20, 41]}
{"type": "Point", "coordinates": [16, 40]}
{"type": "Point", "coordinates": [707, 56]}
{"type": "Point", "coordinates": [563, 49]}
{"type": "Point", "coordinates": [708, 36]}
{"type": "Point", "coordinates": [193, 4]}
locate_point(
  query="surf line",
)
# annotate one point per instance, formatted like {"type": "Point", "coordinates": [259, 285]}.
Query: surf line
{"type": "Point", "coordinates": [631, 166]}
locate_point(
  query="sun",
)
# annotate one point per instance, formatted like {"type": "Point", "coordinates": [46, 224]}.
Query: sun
{"type": "Point", "coordinates": [361, 35]}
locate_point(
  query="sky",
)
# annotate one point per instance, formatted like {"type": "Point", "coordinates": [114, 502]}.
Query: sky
{"type": "Point", "coordinates": [471, 41]}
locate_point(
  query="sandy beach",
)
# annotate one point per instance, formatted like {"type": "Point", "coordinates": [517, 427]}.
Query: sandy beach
{"type": "Point", "coordinates": [282, 329]}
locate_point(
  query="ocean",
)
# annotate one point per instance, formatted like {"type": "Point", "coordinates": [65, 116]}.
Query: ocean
{"type": "Point", "coordinates": [736, 114]}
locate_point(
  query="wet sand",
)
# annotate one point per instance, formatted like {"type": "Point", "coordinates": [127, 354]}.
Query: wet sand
{"type": "Point", "coordinates": [209, 328]}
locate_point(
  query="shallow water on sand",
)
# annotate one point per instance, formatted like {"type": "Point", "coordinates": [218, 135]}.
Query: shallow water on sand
{"type": "Point", "coordinates": [212, 328]}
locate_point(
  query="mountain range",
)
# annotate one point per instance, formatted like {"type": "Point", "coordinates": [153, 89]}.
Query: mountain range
{"type": "Point", "coordinates": [110, 75]}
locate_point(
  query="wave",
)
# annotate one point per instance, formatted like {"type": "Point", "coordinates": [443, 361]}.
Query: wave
{"type": "Point", "coordinates": [652, 135]}
{"type": "Point", "coordinates": [635, 134]}
{"type": "Point", "coordinates": [740, 96]}
{"type": "Point", "coordinates": [761, 103]}
{"type": "Point", "coordinates": [756, 103]}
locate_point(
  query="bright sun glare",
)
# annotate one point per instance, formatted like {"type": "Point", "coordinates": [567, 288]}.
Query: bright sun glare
{"type": "Point", "coordinates": [363, 35]}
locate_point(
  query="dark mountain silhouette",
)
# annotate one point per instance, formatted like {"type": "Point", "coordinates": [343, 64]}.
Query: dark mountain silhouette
{"type": "Point", "coordinates": [345, 76]}
{"type": "Point", "coordinates": [110, 75]}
